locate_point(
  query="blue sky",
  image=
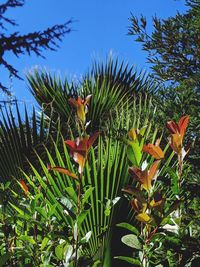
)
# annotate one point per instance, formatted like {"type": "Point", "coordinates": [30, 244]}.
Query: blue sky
{"type": "Point", "coordinates": [100, 28]}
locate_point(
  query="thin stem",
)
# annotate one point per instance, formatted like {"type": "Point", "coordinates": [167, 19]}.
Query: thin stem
{"type": "Point", "coordinates": [79, 188]}
{"type": "Point", "coordinates": [180, 171]}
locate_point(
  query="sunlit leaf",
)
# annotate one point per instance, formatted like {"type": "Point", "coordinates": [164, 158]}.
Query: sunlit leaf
{"type": "Point", "coordinates": [24, 186]}
{"type": "Point", "coordinates": [145, 177]}
{"type": "Point", "coordinates": [155, 151]}
{"type": "Point", "coordinates": [63, 171]}
{"type": "Point", "coordinates": [128, 227]}
{"type": "Point", "coordinates": [129, 260]}
{"type": "Point", "coordinates": [143, 217]}
{"type": "Point", "coordinates": [131, 241]}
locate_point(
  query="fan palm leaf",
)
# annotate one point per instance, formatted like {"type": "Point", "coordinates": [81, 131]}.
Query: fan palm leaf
{"type": "Point", "coordinates": [18, 138]}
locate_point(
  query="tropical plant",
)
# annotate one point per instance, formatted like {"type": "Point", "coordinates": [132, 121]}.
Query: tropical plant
{"type": "Point", "coordinates": [159, 214]}
{"type": "Point", "coordinates": [19, 137]}
{"type": "Point", "coordinates": [103, 176]}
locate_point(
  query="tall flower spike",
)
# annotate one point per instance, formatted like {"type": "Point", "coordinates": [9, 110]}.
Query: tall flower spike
{"type": "Point", "coordinates": [81, 106]}
{"type": "Point", "coordinates": [177, 133]}
{"type": "Point", "coordinates": [79, 149]}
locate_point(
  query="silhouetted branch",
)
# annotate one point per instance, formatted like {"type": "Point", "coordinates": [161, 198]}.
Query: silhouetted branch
{"type": "Point", "coordinates": [34, 42]}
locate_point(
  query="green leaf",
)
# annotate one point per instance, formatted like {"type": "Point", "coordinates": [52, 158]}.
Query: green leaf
{"type": "Point", "coordinates": [59, 250]}
{"type": "Point", "coordinates": [75, 231]}
{"type": "Point", "coordinates": [71, 192]}
{"type": "Point", "coordinates": [44, 242]}
{"type": "Point", "coordinates": [128, 227]}
{"type": "Point", "coordinates": [41, 211]}
{"type": "Point", "coordinates": [66, 202]}
{"type": "Point", "coordinates": [96, 263]}
{"type": "Point", "coordinates": [82, 217]}
{"type": "Point", "coordinates": [129, 260]}
{"type": "Point", "coordinates": [86, 195]}
{"type": "Point", "coordinates": [131, 155]}
{"type": "Point", "coordinates": [134, 152]}
{"type": "Point", "coordinates": [68, 254]}
{"type": "Point", "coordinates": [131, 241]}
{"type": "Point", "coordinates": [27, 239]}
{"type": "Point", "coordinates": [86, 238]}
{"type": "Point", "coordinates": [137, 152]}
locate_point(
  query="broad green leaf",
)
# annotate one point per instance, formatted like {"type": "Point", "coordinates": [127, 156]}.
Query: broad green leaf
{"type": "Point", "coordinates": [131, 241]}
{"type": "Point", "coordinates": [66, 202]}
{"type": "Point", "coordinates": [68, 254]}
{"type": "Point", "coordinates": [131, 155]}
{"type": "Point", "coordinates": [86, 238]}
{"type": "Point", "coordinates": [82, 217]}
{"type": "Point", "coordinates": [129, 227]}
{"type": "Point", "coordinates": [86, 195]}
{"type": "Point", "coordinates": [59, 251]}
{"type": "Point", "coordinates": [129, 260]}
{"type": "Point", "coordinates": [71, 192]}
{"type": "Point", "coordinates": [44, 242]}
{"type": "Point", "coordinates": [96, 263]}
{"type": "Point", "coordinates": [28, 239]}
{"type": "Point", "coordinates": [75, 231]}
{"type": "Point", "coordinates": [137, 151]}
{"type": "Point", "coordinates": [134, 153]}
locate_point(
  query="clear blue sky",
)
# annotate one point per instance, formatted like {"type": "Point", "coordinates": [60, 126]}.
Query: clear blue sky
{"type": "Point", "coordinates": [101, 27]}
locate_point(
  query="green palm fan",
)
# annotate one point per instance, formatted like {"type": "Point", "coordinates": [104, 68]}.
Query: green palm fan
{"type": "Point", "coordinates": [106, 172]}
{"type": "Point", "coordinates": [111, 85]}
{"type": "Point", "coordinates": [18, 138]}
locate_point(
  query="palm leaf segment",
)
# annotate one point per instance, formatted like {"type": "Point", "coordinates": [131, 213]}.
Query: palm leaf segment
{"type": "Point", "coordinates": [18, 138]}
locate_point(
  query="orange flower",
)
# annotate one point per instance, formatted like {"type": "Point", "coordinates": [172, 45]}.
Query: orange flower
{"type": "Point", "coordinates": [81, 106]}
{"type": "Point", "coordinates": [79, 149]}
{"type": "Point", "coordinates": [145, 177]}
{"type": "Point", "coordinates": [177, 133]}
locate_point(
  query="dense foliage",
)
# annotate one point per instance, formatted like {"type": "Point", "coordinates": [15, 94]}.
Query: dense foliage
{"type": "Point", "coordinates": [99, 187]}
{"type": "Point", "coordinates": [106, 173]}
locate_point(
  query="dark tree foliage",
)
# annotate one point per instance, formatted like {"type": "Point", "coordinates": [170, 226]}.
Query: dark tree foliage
{"type": "Point", "coordinates": [174, 45]}
{"type": "Point", "coordinates": [173, 49]}
{"type": "Point", "coordinates": [34, 42]}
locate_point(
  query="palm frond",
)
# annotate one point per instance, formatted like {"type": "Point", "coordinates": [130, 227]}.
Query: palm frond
{"type": "Point", "coordinates": [18, 137]}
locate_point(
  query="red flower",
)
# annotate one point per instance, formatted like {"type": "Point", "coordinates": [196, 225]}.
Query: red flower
{"type": "Point", "coordinates": [79, 149]}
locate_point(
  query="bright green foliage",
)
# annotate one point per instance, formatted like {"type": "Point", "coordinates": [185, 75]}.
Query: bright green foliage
{"type": "Point", "coordinates": [18, 139]}
{"type": "Point", "coordinates": [64, 216]}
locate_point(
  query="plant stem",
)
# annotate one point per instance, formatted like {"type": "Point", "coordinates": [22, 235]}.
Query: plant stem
{"type": "Point", "coordinates": [180, 169]}
{"type": "Point", "coordinates": [79, 188]}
